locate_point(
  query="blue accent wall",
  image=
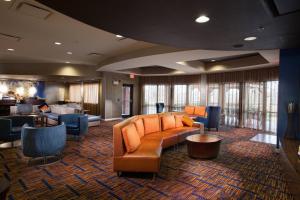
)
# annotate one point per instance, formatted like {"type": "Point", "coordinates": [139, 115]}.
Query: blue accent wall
{"type": "Point", "coordinates": [40, 86]}
{"type": "Point", "coordinates": [289, 88]}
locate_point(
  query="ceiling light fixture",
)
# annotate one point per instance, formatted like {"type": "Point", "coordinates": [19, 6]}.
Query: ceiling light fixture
{"type": "Point", "coordinates": [212, 60]}
{"type": "Point", "coordinates": [68, 62]}
{"type": "Point", "coordinates": [7, 0]}
{"type": "Point", "coordinates": [57, 43]}
{"type": "Point", "coordinates": [69, 52]}
{"type": "Point", "coordinates": [119, 36]}
{"type": "Point", "coordinates": [202, 19]}
{"type": "Point", "coordinates": [10, 49]}
{"type": "Point", "coordinates": [250, 38]}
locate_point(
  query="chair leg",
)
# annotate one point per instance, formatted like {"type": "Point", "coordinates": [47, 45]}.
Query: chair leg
{"type": "Point", "coordinates": [154, 176]}
{"type": "Point", "coordinates": [119, 174]}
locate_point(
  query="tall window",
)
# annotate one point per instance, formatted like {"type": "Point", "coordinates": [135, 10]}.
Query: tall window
{"type": "Point", "coordinates": [213, 97]}
{"type": "Point", "coordinates": [253, 105]}
{"type": "Point", "coordinates": [91, 93]}
{"type": "Point", "coordinates": [179, 97]}
{"type": "Point", "coordinates": [271, 106]}
{"type": "Point", "coordinates": [231, 103]}
{"type": "Point", "coordinates": [150, 99]}
{"type": "Point", "coordinates": [163, 96]}
{"type": "Point", "coordinates": [194, 95]}
{"type": "Point", "coordinates": [75, 93]}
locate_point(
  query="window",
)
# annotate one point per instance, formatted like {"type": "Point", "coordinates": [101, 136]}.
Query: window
{"type": "Point", "coordinates": [153, 94]}
{"type": "Point", "coordinates": [213, 97]}
{"type": "Point", "coordinates": [194, 95]}
{"type": "Point", "coordinates": [179, 97]}
{"type": "Point", "coordinates": [231, 103]}
{"type": "Point", "coordinates": [150, 99]}
{"type": "Point", "coordinates": [253, 105]}
{"type": "Point", "coordinates": [271, 106]}
{"type": "Point", "coordinates": [75, 93]}
{"type": "Point", "coordinates": [91, 93]}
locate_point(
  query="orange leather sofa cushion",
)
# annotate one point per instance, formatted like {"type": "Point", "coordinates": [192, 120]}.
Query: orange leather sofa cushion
{"type": "Point", "coordinates": [189, 110]}
{"type": "Point", "coordinates": [139, 124]}
{"type": "Point", "coordinates": [168, 122]}
{"type": "Point", "coordinates": [200, 110]}
{"type": "Point", "coordinates": [131, 137]}
{"type": "Point", "coordinates": [178, 121]}
{"type": "Point", "coordinates": [187, 121]}
{"type": "Point", "coordinates": [151, 124]}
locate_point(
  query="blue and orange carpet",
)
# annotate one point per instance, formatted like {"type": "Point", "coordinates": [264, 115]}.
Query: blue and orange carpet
{"type": "Point", "coordinates": [243, 170]}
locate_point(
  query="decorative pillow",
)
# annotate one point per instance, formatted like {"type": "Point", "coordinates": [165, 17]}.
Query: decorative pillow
{"type": "Point", "coordinates": [151, 124]}
{"type": "Point", "coordinates": [189, 110]}
{"type": "Point", "coordinates": [131, 138]}
{"type": "Point", "coordinates": [168, 122]}
{"type": "Point", "coordinates": [44, 108]}
{"type": "Point", "coordinates": [187, 121]}
{"type": "Point", "coordinates": [178, 121]}
{"type": "Point", "coordinates": [139, 124]}
{"type": "Point", "coordinates": [200, 110]}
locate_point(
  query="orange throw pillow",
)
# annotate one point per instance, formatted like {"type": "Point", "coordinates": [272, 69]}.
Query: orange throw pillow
{"type": "Point", "coordinates": [200, 110]}
{"type": "Point", "coordinates": [178, 121]}
{"type": "Point", "coordinates": [151, 124]}
{"type": "Point", "coordinates": [187, 121]}
{"type": "Point", "coordinates": [189, 110]}
{"type": "Point", "coordinates": [168, 122]}
{"type": "Point", "coordinates": [131, 138]}
{"type": "Point", "coordinates": [139, 124]}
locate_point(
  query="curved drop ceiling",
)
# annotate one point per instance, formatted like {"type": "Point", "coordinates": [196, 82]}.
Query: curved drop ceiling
{"type": "Point", "coordinates": [172, 22]}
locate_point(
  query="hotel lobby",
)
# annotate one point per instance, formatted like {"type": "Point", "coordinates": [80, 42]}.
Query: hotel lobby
{"type": "Point", "coordinates": [149, 99]}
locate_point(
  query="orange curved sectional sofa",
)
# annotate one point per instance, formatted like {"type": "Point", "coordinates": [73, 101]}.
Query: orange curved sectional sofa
{"type": "Point", "coordinates": [155, 132]}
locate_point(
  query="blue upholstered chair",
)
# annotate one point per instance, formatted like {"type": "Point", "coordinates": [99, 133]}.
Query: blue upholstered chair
{"type": "Point", "coordinates": [213, 117]}
{"type": "Point", "coordinates": [160, 107]}
{"type": "Point", "coordinates": [76, 124]}
{"type": "Point", "coordinates": [44, 141]}
{"type": "Point", "coordinates": [11, 126]}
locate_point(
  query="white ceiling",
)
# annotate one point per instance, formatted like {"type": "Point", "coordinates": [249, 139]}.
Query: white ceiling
{"type": "Point", "coordinates": [38, 35]}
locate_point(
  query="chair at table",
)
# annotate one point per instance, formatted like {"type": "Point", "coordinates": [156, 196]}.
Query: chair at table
{"type": "Point", "coordinates": [11, 126]}
{"type": "Point", "coordinates": [160, 107]}
{"type": "Point", "coordinates": [44, 141]}
{"type": "Point", "coordinates": [213, 117]}
{"type": "Point", "coordinates": [76, 124]}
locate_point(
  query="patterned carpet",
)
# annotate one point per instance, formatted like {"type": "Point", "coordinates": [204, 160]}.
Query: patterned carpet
{"type": "Point", "coordinates": [244, 170]}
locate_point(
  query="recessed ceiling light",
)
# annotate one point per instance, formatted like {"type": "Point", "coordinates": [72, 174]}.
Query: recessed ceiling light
{"type": "Point", "coordinates": [119, 36]}
{"type": "Point", "coordinates": [250, 38]}
{"type": "Point", "coordinates": [202, 19]}
{"type": "Point", "coordinates": [212, 60]}
{"type": "Point", "coordinates": [67, 62]}
{"type": "Point", "coordinates": [7, 0]}
{"type": "Point", "coordinates": [69, 52]}
{"type": "Point", "coordinates": [57, 43]}
{"type": "Point", "coordinates": [10, 49]}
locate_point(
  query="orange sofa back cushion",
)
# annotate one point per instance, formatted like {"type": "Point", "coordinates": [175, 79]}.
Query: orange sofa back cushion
{"type": "Point", "coordinates": [178, 121]}
{"type": "Point", "coordinates": [200, 110]}
{"type": "Point", "coordinates": [151, 124]}
{"type": "Point", "coordinates": [168, 122]}
{"type": "Point", "coordinates": [131, 138]}
{"type": "Point", "coordinates": [189, 110]}
{"type": "Point", "coordinates": [187, 121]}
{"type": "Point", "coordinates": [139, 124]}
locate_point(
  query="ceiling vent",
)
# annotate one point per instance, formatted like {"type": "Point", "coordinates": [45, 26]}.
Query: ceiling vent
{"type": "Point", "coordinates": [95, 54]}
{"type": "Point", "coordinates": [4, 36]}
{"type": "Point", "coordinates": [33, 11]}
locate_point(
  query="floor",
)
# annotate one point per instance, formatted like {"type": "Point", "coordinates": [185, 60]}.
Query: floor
{"type": "Point", "coordinates": [265, 138]}
{"type": "Point", "coordinates": [244, 170]}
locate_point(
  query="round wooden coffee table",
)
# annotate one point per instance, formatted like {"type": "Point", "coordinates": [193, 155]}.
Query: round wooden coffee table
{"type": "Point", "coordinates": [203, 146]}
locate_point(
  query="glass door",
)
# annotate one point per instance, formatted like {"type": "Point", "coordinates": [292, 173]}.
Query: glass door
{"type": "Point", "coordinates": [127, 100]}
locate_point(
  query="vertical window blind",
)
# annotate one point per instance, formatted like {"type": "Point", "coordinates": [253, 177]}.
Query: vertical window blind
{"type": "Point", "coordinates": [75, 93]}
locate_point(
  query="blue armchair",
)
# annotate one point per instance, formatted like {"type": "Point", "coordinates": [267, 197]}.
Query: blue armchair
{"type": "Point", "coordinates": [76, 124]}
{"type": "Point", "coordinates": [11, 127]}
{"type": "Point", "coordinates": [44, 141]}
{"type": "Point", "coordinates": [213, 117]}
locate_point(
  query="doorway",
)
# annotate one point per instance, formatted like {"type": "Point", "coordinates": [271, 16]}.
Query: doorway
{"type": "Point", "coordinates": [127, 100]}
